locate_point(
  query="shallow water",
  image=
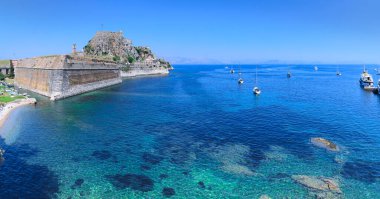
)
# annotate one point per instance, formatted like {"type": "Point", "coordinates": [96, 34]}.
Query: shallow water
{"type": "Point", "coordinates": [197, 134]}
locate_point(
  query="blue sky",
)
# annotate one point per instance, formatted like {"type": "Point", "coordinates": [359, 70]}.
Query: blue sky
{"type": "Point", "coordinates": [201, 31]}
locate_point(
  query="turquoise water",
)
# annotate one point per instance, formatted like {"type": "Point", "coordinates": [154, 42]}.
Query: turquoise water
{"type": "Point", "coordinates": [197, 134]}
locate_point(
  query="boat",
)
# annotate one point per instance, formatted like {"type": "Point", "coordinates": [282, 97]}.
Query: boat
{"type": "Point", "coordinates": [240, 80]}
{"type": "Point", "coordinates": [366, 80]}
{"type": "Point", "coordinates": [256, 90]}
{"type": "Point", "coordinates": [289, 75]}
{"type": "Point", "coordinates": [338, 73]}
{"type": "Point", "coordinates": [226, 67]}
{"type": "Point", "coordinates": [315, 68]}
{"type": "Point", "coordinates": [378, 87]}
{"type": "Point", "coordinates": [232, 71]}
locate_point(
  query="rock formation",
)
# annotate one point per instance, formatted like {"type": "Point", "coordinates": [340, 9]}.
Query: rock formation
{"type": "Point", "coordinates": [321, 142]}
{"type": "Point", "coordinates": [324, 187]}
{"type": "Point", "coordinates": [114, 46]}
{"type": "Point", "coordinates": [1, 156]}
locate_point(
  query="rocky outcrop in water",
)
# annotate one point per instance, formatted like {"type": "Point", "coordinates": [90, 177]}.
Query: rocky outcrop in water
{"type": "Point", "coordinates": [1, 156]}
{"type": "Point", "coordinates": [317, 183]}
{"type": "Point", "coordinates": [324, 143]}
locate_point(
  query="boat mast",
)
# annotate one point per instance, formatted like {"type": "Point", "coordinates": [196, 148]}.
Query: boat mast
{"type": "Point", "coordinates": [256, 77]}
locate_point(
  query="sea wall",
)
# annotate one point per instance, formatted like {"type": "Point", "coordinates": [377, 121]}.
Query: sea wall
{"type": "Point", "coordinates": [142, 69]}
{"type": "Point", "coordinates": [143, 72]}
{"type": "Point", "coordinates": [63, 76]}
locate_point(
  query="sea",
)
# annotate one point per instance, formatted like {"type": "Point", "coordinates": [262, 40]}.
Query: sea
{"type": "Point", "coordinates": [197, 133]}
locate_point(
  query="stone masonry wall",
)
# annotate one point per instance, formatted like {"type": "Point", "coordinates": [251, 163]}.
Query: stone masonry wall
{"type": "Point", "coordinates": [62, 76]}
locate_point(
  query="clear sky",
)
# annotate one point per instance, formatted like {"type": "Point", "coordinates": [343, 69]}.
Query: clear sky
{"type": "Point", "coordinates": [201, 31]}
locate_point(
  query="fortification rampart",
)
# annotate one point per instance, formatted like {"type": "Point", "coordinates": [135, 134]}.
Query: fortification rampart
{"type": "Point", "coordinates": [62, 76]}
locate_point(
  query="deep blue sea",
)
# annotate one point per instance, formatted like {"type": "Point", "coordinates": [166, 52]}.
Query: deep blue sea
{"type": "Point", "coordinates": [196, 133]}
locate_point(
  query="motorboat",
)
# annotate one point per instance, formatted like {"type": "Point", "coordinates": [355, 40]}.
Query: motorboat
{"type": "Point", "coordinates": [366, 80]}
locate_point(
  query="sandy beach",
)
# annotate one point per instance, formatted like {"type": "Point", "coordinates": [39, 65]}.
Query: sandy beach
{"type": "Point", "coordinates": [13, 105]}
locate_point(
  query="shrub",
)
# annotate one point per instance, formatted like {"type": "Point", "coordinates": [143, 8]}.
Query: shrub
{"type": "Point", "coordinates": [131, 59]}
{"type": "Point", "coordinates": [116, 58]}
{"type": "Point", "coordinates": [2, 77]}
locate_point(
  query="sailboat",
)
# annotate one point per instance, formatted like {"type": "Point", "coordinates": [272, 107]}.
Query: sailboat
{"type": "Point", "coordinates": [338, 73]}
{"type": "Point", "coordinates": [289, 75]}
{"type": "Point", "coordinates": [256, 90]}
{"type": "Point", "coordinates": [240, 80]}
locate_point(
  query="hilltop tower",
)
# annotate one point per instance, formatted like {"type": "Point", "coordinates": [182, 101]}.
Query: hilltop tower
{"type": "Point", "coordinates": [74, 49]}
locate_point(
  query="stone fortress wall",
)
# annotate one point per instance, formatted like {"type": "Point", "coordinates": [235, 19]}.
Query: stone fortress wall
{"type": "Point", "coordinates": [106, 58]}
{"type": "Point", "coordinates": [63, 76]}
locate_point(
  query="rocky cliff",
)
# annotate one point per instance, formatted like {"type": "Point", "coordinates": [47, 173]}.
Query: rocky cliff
{"type": "Point", "coordinates": [133, 59]}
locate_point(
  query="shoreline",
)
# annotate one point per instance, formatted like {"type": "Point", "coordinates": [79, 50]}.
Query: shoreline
{"type": "Point", "coordinates": [9, 107]}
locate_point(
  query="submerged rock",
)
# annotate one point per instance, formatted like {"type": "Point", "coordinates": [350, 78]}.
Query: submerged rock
{"type": "Point", "coordinates": [133, 181]}
{"type": "Point", "coordinates": [163, 176]}
{"type": "Point", "coordinates": [102, 155]}
{"type": "Point", "coordinates": [237, 169]}
{"type": "Point", "coordinates": [318, 183]}
{"type": "Point", "coordinates": [77, 183]}
{"type": "Point", "coordinates": [264, 197]}
{"type": "Point", "coordinates": [152, 159]}
{"type": "Point", "coordinates": [233, 158]}
{"type": "Point", "coordinates": [168, 192]}
{"type": "Point", "coordinates": [201, 185]}
{"type": "Point", "coordinates": [145, 167]}
{"type": "Point", "coordinates": [321, 142]}
{"type": "Point", "coordinates": [365, 171]}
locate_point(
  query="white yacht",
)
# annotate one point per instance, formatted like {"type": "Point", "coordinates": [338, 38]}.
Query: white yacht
{"type": "Point", "coordinates": [366, 80]}
{"type": "Point", "coordinates": [232, 71]}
